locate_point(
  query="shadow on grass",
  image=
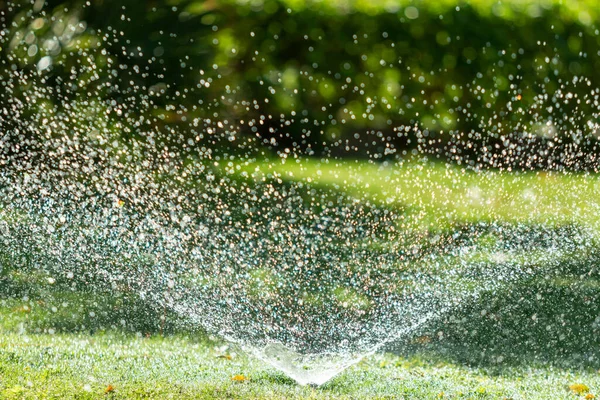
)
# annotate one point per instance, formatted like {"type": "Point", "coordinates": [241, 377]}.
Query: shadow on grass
{"type": "Point", "coordinates": [36, 306]}
{"type": "Point", "coordinates": [550, 319]}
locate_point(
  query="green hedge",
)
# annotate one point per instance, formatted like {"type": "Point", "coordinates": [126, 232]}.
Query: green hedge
{"type": "Point", "coordinates": [323, 73]}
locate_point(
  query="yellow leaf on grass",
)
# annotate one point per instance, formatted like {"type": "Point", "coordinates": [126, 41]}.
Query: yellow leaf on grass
{"type": "Point", "coordinates": [589, 396]}
{"type": "Point", "coordinates": [239, 378]}
{"type": "Point", "coordinates": [423, 339]}
{"type": "Point", "coordinates": [579, 388]}
{"type": "Point", "coordinates": [109, 389]}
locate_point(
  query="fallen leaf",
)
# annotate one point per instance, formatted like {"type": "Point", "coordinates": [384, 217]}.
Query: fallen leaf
{"type": "Point", "coordinates": [109, 389]}
{"type": "Point", "coordinates": [423, 339]}
{"type": "Point", "coordinates": [225, 356]}
{"type": "Point", "coordinates": [589, 396]}
{"type": "Point", "coordinates": [579, 388]}
{"type": "Point", "coordinates": [239, 378]}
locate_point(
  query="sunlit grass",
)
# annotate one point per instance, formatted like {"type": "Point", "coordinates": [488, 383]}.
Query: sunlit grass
{"type": "Point", "coordinates": [112, 365]}
{"type": "Point", "coordinates": [434, 195]}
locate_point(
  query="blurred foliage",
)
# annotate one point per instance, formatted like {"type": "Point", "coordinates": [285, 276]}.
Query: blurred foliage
{"type": "Point", "coordinates": [321, 75]}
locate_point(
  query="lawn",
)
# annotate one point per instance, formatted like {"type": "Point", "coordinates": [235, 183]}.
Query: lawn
{"type": "Point", "coordinates": [439, 194]}
{"type": "Point", "coordinates": [114, 365]}
{"type": "Point", "coordinates": [539, 339]}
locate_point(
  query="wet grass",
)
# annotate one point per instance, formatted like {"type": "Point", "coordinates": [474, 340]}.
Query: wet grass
{"type": "Point", "coordinates": [438, 196]}
{"type": "Point", "coordinates": [118, 366]}
{"type": "Point", "coordinates": [531, 340]}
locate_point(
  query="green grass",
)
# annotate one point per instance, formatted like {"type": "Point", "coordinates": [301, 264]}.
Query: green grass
{"type": "Point", "coordinates": [51, 347]}
{"type": "Point", "coordinates": [529, 342]}
{"type": "Point", "coordinates": [178, 367]}
{"type": "Point", "coordinates": [437, 195]}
